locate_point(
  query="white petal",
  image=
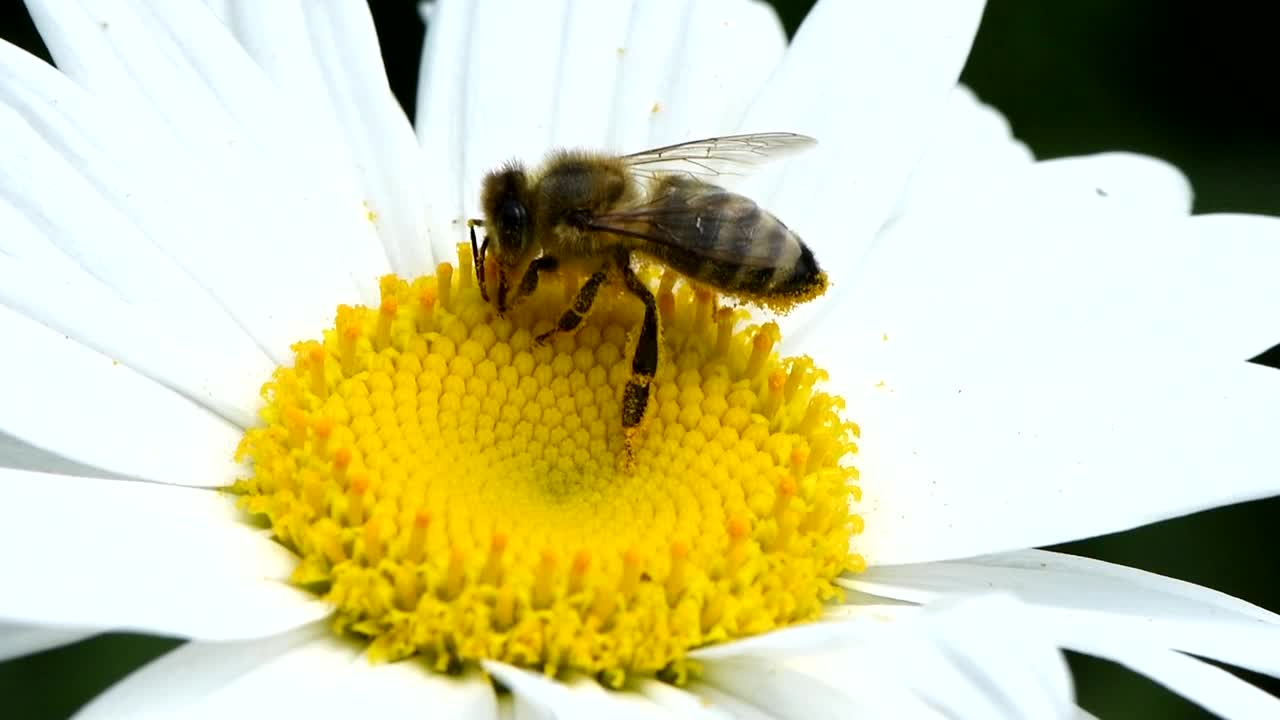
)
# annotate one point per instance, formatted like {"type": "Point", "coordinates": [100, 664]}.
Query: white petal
{"type": "Point", "coordinates": [972, 154]}
{"type": "Point", "coordinates": [385, 690]}
{"type": "Point", "coordinates": [517, 707]}
{"type": "Point", "coordinates": [727, 703]}
{"type": "Point", "coordinates": [786, 692]}
{"type": "Point", "coordinates": [844, 624]}
{"type": "Point", "coordinates": [246, 209]}
{"type": "Point", "coordinates": [62, 192]}
{"type": "Point", "coordinates": [72, 302]}
{"type": "Point", "coordinates": [467, 91]}
{"type": "Point", "coordinates": [440, 121]}
{"type": "Point", "coordinates": [1099, 597]}
{"type": "Point", "coordinates": [325, 58]}
{"type": "Point", "coordinates": [1046, 578]}
{"type": "Point", "coordinates": [186, 681]}
{"type": "Point", "coordinates": [646, 66]}
{"type": "Point", "coordinates": [18, 455]}
{"type": "Point", "coordinates": [69, 400]}
{"type": "Point", "coordinates": [508, 113]}
{"type": "Point", "coordinates": [868, 80]}
{"type": "Point", "coordinates": [306, 672]}
{"type": "Point", "coordinates": [1075, 354]}
{"type": "Point", "coordinates": [728, 49]}
{"type": "Point", "coordinates": [225, 11]}
{"type": "Point", "coordinates": [17, 640]}
{"type": "Point", "coordinates": [684, 703]}
{"type": "Point", "coordinates": [985, 657]}
{"type": "Point", "coordinates": [1137, 180]}
{"type": "Point", "coordinates": [577, 698]}
{"type": "Point", "coordinates": [1214, 689]}
{"type": "Point", "coordinates": [798, 640]}
{"type": "Point", "coordinates": [596, 37]}
{"type": "Point", "coordinates": [139, 556]}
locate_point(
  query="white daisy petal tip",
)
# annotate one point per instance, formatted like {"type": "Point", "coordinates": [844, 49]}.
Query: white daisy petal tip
{"type": "Point", "coordinates": [1139, 181]}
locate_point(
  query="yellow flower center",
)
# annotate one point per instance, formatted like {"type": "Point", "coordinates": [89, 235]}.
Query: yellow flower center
{"type": "Point", "coordinates": [455, 490]}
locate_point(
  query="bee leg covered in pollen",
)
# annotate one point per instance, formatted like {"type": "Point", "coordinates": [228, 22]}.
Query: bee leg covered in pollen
{"type": "Point", "coordinates": [529, 281]}
{"type": "Point", "coordinates": [577, 312]}
{"type": "Point", "coordinates": [644, 363]}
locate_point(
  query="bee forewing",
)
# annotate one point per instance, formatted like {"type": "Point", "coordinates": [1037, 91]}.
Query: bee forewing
{"type": "Point", "coordinates": [730, 155]}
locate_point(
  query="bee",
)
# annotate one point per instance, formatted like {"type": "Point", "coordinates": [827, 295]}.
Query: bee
{"type": "Point", "coordinates": [599, 212]}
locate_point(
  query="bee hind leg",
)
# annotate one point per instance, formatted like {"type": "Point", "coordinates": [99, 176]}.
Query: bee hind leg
{"type": "Point", "coordinates": [570, 319]}
{"type": "Point", "coordinates": [644, 362]}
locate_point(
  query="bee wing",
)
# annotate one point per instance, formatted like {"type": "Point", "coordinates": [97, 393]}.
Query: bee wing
{"type": "Point", "coordinates": [717, 156]}
{"type": "Point", "coordinates": [697, 220]}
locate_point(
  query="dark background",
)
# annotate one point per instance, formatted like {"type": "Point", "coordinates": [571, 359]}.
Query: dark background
{"type": "Point", "coordinates": [1193, 83]}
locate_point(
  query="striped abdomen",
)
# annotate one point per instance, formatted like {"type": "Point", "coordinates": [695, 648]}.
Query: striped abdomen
{"type": "Point", "coordinates": [727, 241]}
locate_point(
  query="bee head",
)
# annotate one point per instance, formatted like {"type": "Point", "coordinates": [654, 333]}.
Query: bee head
{"type": "Point", "coordinates": [506, 211]}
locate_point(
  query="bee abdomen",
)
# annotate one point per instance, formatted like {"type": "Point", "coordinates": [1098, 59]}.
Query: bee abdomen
{"type": "Point", "coordinates": [802, 281]}
{"type": "Point", "coordinates": [729, 242]}
{"type": "Point", "coordinates": [790, 276]}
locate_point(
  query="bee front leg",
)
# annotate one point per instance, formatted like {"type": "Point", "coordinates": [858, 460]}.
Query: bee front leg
{"type": "Point", "coordinates": [478, 254]}
{"type": "Point", "coordinates": [644, 363]}
{"type": "Point", "coordinates": [529, 281]}
{"type": "Point", "coordinates": [570, 319]}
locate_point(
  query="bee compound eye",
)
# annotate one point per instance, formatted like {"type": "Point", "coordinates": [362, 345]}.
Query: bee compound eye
{"type": "Point", "coordinates": [513, 215]}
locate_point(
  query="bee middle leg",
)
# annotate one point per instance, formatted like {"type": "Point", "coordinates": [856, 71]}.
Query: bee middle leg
{"type": "Point", "coordinates": [570, 319]}
{"type": "Point", "coordinates": [644, 363]}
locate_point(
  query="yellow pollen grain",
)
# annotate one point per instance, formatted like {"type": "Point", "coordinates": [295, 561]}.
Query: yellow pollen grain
{"type": "Point", "coordinates": [454, 489]}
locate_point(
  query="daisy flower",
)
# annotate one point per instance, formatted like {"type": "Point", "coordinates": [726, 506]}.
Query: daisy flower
{"type": "Point", "coordinates": [253, 397]}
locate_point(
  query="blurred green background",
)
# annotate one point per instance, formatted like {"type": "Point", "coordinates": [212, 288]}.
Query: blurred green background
{"type": "Point", "coordinates": [1192, 83]}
